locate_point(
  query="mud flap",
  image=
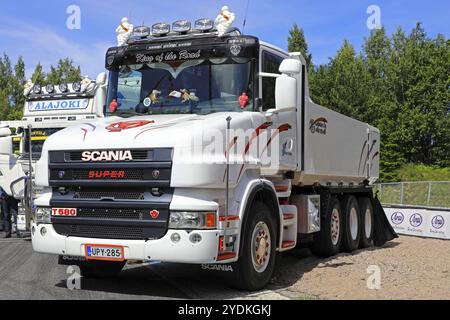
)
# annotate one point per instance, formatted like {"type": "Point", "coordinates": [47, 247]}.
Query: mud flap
{"type": "Point", "coordinates": [383, 231]}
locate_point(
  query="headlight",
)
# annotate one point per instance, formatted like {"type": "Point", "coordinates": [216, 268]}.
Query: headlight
{"type": "Point", "coordinates": [76, 86]}
{"type": "Point", "coordinates": [160, 29]}
{"type": "Point", "coordinates": [50, 88]}
{"type": "Point", "coordinates": [63, 87]}
{"type": "Point", "coordinates": [37, 89]}
{"type": "Point", "coordinates": [204, 24]}
{"type": "Point", "coordinates": [192, 220]}
{"type": "Point", "coordinates": [181, 26]}
{"type": "Point", "coordinates": [43, 215]}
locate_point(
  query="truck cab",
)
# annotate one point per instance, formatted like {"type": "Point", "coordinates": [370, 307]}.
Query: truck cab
{"type": "Point", "coordinates": [47, 110]}
{"type": "Point", "coordinates": [211, 152]}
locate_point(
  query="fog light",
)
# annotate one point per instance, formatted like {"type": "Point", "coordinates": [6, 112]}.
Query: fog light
{"type": "Point", "coordinates": [43, 231]}
{"type": "Point", "coordinates": [175, 237]}
{"type": "Point", "coordinates": [195, 238]}
{"type": "Point", "coordinates": [50, 88]}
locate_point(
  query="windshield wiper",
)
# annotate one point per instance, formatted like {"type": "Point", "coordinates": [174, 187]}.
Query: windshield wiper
{"type": "Point", "coordinates": [128, 112]}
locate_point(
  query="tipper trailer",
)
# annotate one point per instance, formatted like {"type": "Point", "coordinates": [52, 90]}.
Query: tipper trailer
{"type": "Point", "coordinates": [211, 152]}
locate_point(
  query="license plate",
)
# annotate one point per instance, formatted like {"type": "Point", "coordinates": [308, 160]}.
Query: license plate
{"type": "Point", "coordinates": [64, 212]}
{"type": "Point", "coordinates": [104, 252]}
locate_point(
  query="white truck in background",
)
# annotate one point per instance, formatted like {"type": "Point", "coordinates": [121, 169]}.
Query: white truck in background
{"type": "Point", "coordinates": [46, 111]}
{"type": "Point", "coordinates": [144, 183]}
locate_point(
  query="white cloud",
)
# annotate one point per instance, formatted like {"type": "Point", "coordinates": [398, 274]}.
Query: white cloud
{"type": "Point", "coordinates": [40, 44]}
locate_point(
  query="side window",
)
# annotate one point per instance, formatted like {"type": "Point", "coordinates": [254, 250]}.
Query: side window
{"type": "Point", "coordinates": [270, 64]}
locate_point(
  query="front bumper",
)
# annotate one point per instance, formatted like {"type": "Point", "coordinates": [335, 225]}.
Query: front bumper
{"type": "Point", "coordinates": [163, 249]}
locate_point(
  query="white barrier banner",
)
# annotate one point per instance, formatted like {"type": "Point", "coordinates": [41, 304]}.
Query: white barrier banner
{"type": "Point", "coordinates": [419, 222]}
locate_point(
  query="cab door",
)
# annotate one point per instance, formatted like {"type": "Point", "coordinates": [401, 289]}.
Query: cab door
{"type": "Point", "coordinates": [283, 129]}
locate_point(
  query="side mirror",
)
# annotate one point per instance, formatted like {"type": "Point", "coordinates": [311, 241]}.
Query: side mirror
{"type": "Point", "coordinates": [6, 145]}
{"type": "Point", "coordinates": [101, 79]}
{"type": "Point", "coordinates": [259, 104]}
{"type": "Point", "coordinates": [290, 66]}
{"type": "Point", "coordinates": [5, 132]}
{"type": "Point", "coordinates": [285, 92]}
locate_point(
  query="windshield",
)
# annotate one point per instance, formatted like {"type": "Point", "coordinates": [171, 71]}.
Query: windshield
{"type": "Point", "coordinates": [38, 137]}
{"type": "Point", "coordinates": [182, 87]}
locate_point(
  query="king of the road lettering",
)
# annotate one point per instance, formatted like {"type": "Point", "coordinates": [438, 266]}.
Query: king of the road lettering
{"type": "Point", "coordinates": [58, 105]}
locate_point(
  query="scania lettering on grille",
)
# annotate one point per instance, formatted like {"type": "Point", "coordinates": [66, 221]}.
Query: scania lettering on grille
{"type": "Point", "coordinates": [97, 156]}
{"type": "Point", "coordinates": [106, 174]}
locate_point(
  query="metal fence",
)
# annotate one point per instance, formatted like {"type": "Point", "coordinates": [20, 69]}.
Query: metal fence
{"type": "Point", "coordinates": [424, 194]}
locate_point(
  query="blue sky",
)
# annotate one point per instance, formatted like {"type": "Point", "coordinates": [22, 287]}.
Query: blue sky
{"type": "Point", "coordinates": [37, 30]}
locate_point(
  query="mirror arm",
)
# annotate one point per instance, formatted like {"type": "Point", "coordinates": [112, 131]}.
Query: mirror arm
{"type": "Point", "coordinates": [271, 112]}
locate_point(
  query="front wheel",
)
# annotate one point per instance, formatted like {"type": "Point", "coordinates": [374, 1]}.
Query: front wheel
{"type": "Point", "coordinates": [101, 269]}
{"type": "Point", "coordinates": [256, 264]}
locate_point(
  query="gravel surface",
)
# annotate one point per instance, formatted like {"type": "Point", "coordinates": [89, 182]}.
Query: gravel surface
{"type": "Point", "coordinates": [410, 268]}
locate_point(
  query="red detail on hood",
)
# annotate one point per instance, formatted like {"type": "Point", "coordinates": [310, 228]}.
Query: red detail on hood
{"type": "Point", "coordinates": [85, 133]}
{"type": "Point", "coordinates": [119, 126]}
{"type": "Point", "coordinates": [321, 119]}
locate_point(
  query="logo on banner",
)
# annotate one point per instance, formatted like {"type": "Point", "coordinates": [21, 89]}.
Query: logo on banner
{"type": "Point", "coordinates": [397, 217]}
{"type": "Point", "coordinates": [416, 220]}
{"type": "Point", "coordinates": [437, 222]}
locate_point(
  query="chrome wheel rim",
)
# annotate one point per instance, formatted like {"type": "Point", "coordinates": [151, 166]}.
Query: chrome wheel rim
{"type": "Point", "coordinates": [335, 226]}
{"type": "Point", "coordinates": [353, 223]}
{"type": "Point", "coordinates": [368, 223]}
{"type": "Point", "coordinates": [261, 242]}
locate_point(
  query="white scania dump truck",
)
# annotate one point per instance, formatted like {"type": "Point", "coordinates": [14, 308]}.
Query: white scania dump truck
{"type": "Point", "coordinates": [211, 152]}
{"type": "Point", "coordinates": [46, 111]}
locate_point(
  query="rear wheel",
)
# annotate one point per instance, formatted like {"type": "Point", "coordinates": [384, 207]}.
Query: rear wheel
{"type": "Point", "coordinates": [327, 242]}
{"type": "Point", "coordinates": [256, 264]}
{"type": "Point", "coordinates": [352, 224]}
{"type": "Point", "coordinates": [101, 269]}
{"type": "Point", "coordinates": [365, 206]}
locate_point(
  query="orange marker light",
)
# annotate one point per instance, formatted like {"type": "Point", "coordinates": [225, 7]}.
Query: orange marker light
{"type": "Point", "coordinates": [210, 220]}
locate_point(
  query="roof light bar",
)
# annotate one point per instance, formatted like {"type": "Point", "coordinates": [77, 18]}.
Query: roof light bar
{"type": "Point", "coordinates": [160, 29]}
{"type": "Point", "coordinates": [204, 24]}
{"type": "Point", "coordinates": [181, 26]}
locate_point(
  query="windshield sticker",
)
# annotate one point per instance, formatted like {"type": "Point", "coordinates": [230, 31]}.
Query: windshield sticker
{"type": "Point", "coordinates": [169, 56]}
{"type": "Point", "coordinates": [58, 105]}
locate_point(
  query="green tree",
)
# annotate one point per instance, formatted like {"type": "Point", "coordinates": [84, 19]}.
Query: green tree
{"type": "Point", "coordinates": [342, 84]}
{"type": "Point", "coordinates": [297, 43]}
{"type": "Point", "coordinates": [6, 75]}
{"type": "Point", "coordinates": [400, 84]}
{"type": "Point", "coordinates": [65, 71]}
{"type": "Point", "coordinates": [39, 76]}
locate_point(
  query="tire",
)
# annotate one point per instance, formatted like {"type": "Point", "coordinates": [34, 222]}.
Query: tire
{"type": "Point", "coordinates": [352, 224]}
{"type": "Point", "coordinates": [101, 269]}
{"type": "Point", "coordinates": [367, 222]}
{"type": "Point", "coordinates": [254, 269]}
{"type": "Point", "coordinates": [327, 242]}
